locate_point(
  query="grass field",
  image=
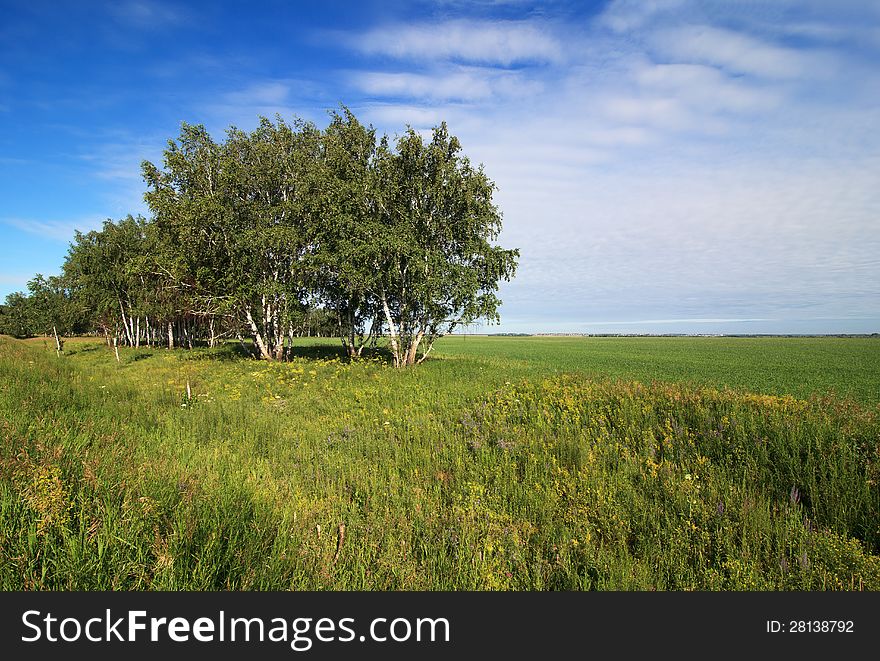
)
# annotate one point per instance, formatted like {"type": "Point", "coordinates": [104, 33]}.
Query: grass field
{"type": "Point", "coordinates": [503, 463]}
{"type": "Point", "coordinates": [849, 367]}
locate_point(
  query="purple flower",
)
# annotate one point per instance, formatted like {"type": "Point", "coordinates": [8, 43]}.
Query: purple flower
{"type": "Point", "coordinates": [504, 445]}
{"type": "Point", "coordinates": [804, 561]}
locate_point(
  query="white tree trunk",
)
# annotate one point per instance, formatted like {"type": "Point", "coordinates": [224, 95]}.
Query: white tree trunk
{"type": "Point", "coordinates": [414, 348]}
{"type": "Point", "coordinates": [258, 337]}
{"type": "Point", "coordinates": [392, 331]}
{"type": "Point", "coordinates": [57, 341]}
{"type": "Point", "coordinates": [427, 351]}
{"type": "Point", "coordinates": [132, 335]}
{"type": "Point", "coordinates": [277, 333]}
{"type": "Point", "coordinates": [125, 324]}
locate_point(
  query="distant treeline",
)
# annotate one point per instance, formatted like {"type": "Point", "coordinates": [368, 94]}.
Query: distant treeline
{"type": "Point", "coordinates": [286, 231]}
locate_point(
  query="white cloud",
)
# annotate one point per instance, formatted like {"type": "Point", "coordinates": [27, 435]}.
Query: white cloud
{"type": "Point", "coordinates": [448, 84]}
{"type": "Point", "coordinates": [628, 15]}
{"type": "Point", "coordinates": [116, 158]}
{"type": "Point", "coordinates": [707, 87]}
{"type": "Point", "coordinates": [56, 230]}
{"type": "Point", "coordinates": [668, 321]}
{"type": "Point", "coordinates": [288, 97]}
{"type": "Point", "coordinates": [264, 93]}
{"type": "Point", "coordinates": [663, 112]}
{"type": "Point", "coordinates": [493, 42]}
{"type": "Point", "coordinates": [265, 98]}
{"type": "Point", "coordinates": [724, 240]}
{"type": "Point", "coordinates": [618, 136]}
{"type": "Point", "coordinates": [393, 117]}
{"type": "Point", "coordinates": [453, 86]}
{"type": "Point", "coordinates": [740, 53]}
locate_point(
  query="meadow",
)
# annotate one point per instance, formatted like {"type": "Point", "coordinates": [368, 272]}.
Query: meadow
{"type": "Point", "coordinates": [498, 464]}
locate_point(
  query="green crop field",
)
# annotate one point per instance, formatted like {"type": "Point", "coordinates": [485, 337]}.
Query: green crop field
{"type": "Point", "coordinates": [499, 463]}
{"type": "Point", "coordinates": [848, 367]}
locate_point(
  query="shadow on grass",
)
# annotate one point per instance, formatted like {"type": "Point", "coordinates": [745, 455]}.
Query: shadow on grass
{"type": "Point", "coordinates": [232, 351]}
{"type": "Point", "coordinates": [85, 348]}
{"type": "Point", "coordinates": [226, 351]}
{"type": "Point", "coordinates": [338, 352]}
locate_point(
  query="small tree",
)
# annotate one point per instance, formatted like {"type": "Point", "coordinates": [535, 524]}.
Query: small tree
{"type": "Point", "coordinates": [19, 316]}
{"type": "Point", "coordinates": [103, 269]}
{"type": "Point", "coordinates": [348, 236]}
{"type": "Point", "coordinates": [437, 265]}
{"type": "Point", "coordinates": [239, 214]}
{"type": "Point", "coordinates": [52, 308]}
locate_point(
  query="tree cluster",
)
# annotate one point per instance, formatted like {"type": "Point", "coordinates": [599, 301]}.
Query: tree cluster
{"type": "Point", "coordinates": [285, 231]}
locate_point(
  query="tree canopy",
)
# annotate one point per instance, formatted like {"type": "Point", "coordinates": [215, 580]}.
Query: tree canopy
{"type": "Point", "coordinates": [284, 230]}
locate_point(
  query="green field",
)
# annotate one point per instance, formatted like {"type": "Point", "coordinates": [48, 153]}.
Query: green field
{"type": "Point", "coordinates": [500, 463]}
{"type": "Point", "coordinates": [849, 367]}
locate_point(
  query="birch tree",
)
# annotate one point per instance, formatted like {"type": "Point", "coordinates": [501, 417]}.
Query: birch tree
{"type": "Point", "coordinates": [348, 239]}
{"type": "Point", "coordinates": [17, 315]}
{"type": "Point", "coordinates": [52, 310]}
{"type": "Point", "coordinates": [241, 212]}
{"type": "Point", "coordinates": [102, 268]}
{"type": "Point", "coordinates": [439, 267]}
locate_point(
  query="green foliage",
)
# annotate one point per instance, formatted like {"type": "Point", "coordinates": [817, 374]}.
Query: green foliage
{"type": "Point", "coordinates": [48, 307]}
{"type": "Point", "coordinates": [287, 217]}
{"type": "Point", "coordinates": [438, 268]}
{"type": "Point", "coordinates": [349, 240]}
{"type": "Point", "coordinates": [106, 270]}
{"type": "Point", "coordinates": [19, 316]}
{"type": "Point", "coordinates": [281, 232]}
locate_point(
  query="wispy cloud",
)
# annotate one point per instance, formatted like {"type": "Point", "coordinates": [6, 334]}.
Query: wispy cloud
{"type": "Point", "coordinates": [394, 116]}
{"type": "Point", "coordinates": [15, 280]}
{"type": "Point", "coordinates": [740, 53]}
{"type": "Point", "coordinates": [264, 93]}
{"type": "Point", "coordinates": [266, 97]}
{"type": "Point", "coordinates": [147, 14]}
{"type": "Point", "coordinates": [492, 42]}
{"type": "Point", "coordinates": [56, 230]}
{"type": "Point", "coordinates": [706, 87]}
{"type": "Point", "coordinates": [114, 157]}
{"type": "Point", "coordinates": [457, 84]}
{"type": "Point", "coordinates": [629, 15]}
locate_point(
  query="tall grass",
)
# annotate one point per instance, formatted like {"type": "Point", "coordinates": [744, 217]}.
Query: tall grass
{"type": "Point", "coordinates": [465, 474]}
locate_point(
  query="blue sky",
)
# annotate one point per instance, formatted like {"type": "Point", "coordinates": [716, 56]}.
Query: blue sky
{"type": "Point", "coordinates": [663, 166]}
